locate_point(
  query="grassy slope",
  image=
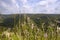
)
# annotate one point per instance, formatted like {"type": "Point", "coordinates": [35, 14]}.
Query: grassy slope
{"type": "Point", "coordinates": [23, 29]}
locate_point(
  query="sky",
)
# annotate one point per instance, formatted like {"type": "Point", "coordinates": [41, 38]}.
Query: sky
{"type": "Point", "coordinates": [30, 6]}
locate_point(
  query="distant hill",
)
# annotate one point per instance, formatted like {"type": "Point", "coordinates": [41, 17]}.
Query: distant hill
{"type": "Point", "coordinates": [37, 18]}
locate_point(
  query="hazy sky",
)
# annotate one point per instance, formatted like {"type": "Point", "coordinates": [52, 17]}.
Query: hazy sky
{"type": "Point", "coordinates": [29, 6]}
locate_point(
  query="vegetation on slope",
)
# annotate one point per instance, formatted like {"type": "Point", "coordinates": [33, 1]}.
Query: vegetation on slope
{"type": "Point", "coordinates": [29, 27]}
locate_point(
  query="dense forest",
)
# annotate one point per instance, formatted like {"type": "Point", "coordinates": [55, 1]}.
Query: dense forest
{"type": "Point", "coordinates": [30, 27]}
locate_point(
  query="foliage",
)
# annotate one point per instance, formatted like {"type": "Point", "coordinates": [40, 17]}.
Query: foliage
{"type": "Point", "coordinates": [30, 27]}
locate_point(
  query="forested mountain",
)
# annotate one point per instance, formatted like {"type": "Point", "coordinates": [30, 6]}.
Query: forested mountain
{"type": "Point", "coordinates": [30, 27]}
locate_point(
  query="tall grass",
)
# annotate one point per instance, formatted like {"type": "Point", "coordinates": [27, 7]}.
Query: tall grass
{"type": "Point", "coordinates": [24, 31]}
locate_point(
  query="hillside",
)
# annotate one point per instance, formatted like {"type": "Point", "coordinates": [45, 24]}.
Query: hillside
{"type": "Point", "coordinates": [30, 27]}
